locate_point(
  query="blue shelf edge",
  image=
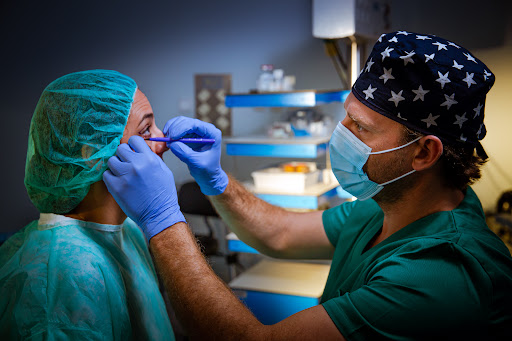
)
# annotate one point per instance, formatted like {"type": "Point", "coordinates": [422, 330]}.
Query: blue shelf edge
{"type": "Point", "coordinates": [271, 308]}
{"type": "Point", "coordinates": [329, 97]}
{"type": "Point", "coordinates": [286, 99]}
{"type": "Point", "coordinates": [277, 150]}
{"type": "Point", "coordinates": [240, 246]}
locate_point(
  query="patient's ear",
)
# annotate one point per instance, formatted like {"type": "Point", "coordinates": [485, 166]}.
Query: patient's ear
{"type": "Point", "coordinates": [429, 150]}
{"type": "Point", "coordinates": [87, 151]}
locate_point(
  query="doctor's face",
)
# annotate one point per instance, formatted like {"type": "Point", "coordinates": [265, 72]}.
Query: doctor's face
{"type": "Point", "coordinates": [141, 121]}
{"type": "Point", "coordinates": [381, 133]}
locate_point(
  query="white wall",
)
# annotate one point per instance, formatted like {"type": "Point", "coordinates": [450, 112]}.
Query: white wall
{"type": "Point", "coordinates": [497, 173]}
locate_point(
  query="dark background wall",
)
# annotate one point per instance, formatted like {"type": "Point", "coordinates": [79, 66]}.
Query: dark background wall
{"type": "Point", "coordinates": [162, 44]}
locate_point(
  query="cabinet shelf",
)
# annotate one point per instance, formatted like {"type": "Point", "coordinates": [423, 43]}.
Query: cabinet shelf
{"type": "Point", "coordinates": [299, 147]}
{"type": "Point", "coordinates": [300, 98]}
{"type": "Point", "coordinates": [318, 196]}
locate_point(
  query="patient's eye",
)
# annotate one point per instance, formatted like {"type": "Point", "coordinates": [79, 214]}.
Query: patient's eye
{"type": "Point", "coordinates": [145, 133]}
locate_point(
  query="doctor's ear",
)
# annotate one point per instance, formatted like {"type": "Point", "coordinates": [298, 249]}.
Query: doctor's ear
{"type": "Point", "coordinates": [428, 151]}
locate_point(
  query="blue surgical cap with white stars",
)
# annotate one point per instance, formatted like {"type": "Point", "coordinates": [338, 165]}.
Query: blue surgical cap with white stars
{"type": "Point", "coordinates": [428, 84]}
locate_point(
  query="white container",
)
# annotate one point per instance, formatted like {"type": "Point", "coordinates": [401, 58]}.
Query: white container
{"type": "Point", "coordinates": [362, 18]}
{"type": "Point", "coordinates": [274, 180]}
{"type": "Point", "coordinates": [328, 176]}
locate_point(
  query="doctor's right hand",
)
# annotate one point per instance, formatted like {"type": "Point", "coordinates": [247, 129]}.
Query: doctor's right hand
{"type": "Point", "coordinates": [203, 161]}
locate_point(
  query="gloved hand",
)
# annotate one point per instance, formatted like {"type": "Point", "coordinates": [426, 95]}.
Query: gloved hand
{"type": "Point", "coordinates": [143, 187]}
{"type": "Point", "coordinates": [203, 161]}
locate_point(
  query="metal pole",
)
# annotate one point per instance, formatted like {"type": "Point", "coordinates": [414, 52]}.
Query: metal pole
{"type": "Point", "coordinates": [355, 60]}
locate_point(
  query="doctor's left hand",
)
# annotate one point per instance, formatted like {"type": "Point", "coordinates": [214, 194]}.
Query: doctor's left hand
{"type": "Point", "coordinates": [143, 186]}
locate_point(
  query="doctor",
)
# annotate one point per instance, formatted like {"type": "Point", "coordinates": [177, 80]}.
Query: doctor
{"type": "Point", "coordinates": [411, 259]}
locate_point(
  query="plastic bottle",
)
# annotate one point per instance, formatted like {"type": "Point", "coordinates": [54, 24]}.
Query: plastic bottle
{"type": "Point", "coordinates": [278, 76]}
{"type": "Point", "coordinates": [266, 79]}
{"type": "Point", "coordinates": [288, 83]}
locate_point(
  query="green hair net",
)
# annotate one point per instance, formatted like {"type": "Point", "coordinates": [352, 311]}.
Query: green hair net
{"type": "Point", "coordinates": [77, 125]}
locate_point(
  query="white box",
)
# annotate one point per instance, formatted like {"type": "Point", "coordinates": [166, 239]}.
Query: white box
{"type": "Point", "coordinates": [274, 180]}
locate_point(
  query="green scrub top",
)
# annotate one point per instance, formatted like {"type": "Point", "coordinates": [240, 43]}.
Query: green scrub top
{"type": "Point", "coordinates": [444, 276]}
{"type": "Point", "coordinates": [62, 278]}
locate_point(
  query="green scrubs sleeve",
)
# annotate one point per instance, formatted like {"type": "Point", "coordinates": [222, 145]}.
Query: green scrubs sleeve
{"type": "Point", "coordinates": [424, 287]}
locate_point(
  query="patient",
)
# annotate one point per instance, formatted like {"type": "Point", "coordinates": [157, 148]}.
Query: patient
{"type": "Point", "coordinates": [82, 271]}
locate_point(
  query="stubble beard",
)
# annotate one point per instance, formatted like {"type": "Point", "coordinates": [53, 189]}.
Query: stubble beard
{"type": "Point", "coordinates": [392, 168]}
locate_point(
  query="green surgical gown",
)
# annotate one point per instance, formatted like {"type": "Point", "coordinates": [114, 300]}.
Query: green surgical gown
{"type": "Point", "coordinates": [445, 276]}
{"type": "Point", "coordinates": [62, 278]}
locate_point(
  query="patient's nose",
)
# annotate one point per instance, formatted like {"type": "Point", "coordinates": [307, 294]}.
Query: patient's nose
{"type": "Point", "coordinates": [159, 148]}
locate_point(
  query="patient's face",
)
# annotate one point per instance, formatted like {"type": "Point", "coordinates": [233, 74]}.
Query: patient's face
{"type": "Point", "coordinates": [141, 121]}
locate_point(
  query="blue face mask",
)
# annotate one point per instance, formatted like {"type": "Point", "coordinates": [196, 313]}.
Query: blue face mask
{"type": "Point", "coordinates": [348, 155]}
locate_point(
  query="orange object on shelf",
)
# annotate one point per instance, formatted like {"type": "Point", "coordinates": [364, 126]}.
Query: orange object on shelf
{"type": "Point", "coordinates": [288, 168]}
{"type": "Point", "coordinates": [297, 167]}
{"type": "Point", "coordinates": [302, 168]}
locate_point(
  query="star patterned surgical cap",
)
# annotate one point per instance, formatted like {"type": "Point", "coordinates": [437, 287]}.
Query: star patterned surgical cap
{"type": "Point", "coordinates": [428, 84]}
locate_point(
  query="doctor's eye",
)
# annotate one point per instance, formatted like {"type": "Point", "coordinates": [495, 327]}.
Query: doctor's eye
{"type": "Point", "coordinates": [358, 127]}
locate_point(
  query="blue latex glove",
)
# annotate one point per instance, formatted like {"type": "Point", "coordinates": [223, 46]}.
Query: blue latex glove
{"type": "Point", "coordinates": [143, 187]}
{"type": "Point", "coordinates": [203, 161]}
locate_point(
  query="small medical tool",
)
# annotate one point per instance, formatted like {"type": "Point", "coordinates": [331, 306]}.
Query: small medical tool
{"type": "Point", "coordinates": [184, 140]}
